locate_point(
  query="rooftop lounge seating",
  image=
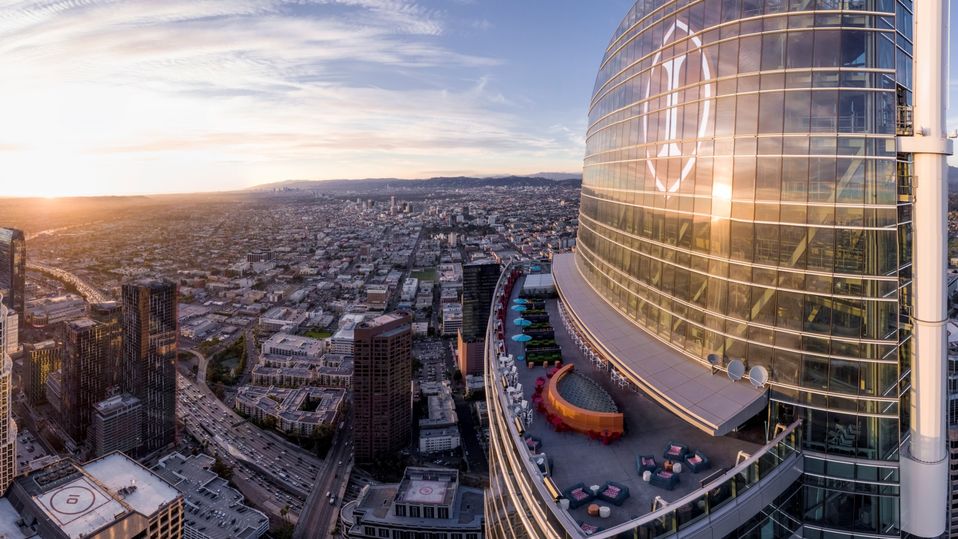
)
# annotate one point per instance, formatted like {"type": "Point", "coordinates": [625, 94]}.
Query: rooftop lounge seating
{"type": "Point", "coordinates": [664, 479]}
{"type": "Point", "coordinates": [697, 462]}
{"type": "Point", "coordinates": [589, 529]}
{"type": "Point", "coordinates": [645, 463]}
{"type": "Point", "coordinates": [533, 443]}
{"type": "Point", "coordinates": [578, 495]}
{"type": "Point", "coordinates": [613, 492]}
{"type": "Point", "coordinates": [675, 451]}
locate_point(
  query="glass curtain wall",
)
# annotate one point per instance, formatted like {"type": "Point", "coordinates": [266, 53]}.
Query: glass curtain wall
{"type": "Point", "coordinates": [741, 197]}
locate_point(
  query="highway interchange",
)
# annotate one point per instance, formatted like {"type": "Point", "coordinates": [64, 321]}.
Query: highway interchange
{"type": "Point", "coordinates": [281, 472]}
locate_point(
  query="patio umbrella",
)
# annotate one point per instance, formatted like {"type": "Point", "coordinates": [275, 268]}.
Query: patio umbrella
{"type": "Point", "coordinates": [520, 301]}
{"type": "Point", "coordinates": [522, 322]}
{"type": "Point", "coordinates": [521, 338]}
{"type": "Point", "coordinates": [519, 308]}
{"type": "Point", "coordinates": [520, 358]}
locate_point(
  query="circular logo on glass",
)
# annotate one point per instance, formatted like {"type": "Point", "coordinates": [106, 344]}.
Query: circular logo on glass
{"type": "Point", "coordinates": [671, 77]}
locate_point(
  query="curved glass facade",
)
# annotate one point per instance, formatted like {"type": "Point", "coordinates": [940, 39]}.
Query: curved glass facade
{"type": "Point", "coordinates": [742, 196]}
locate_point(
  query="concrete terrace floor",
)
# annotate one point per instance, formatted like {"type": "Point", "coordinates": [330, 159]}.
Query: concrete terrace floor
{"type": "Point", "coordinates": [649, 428]}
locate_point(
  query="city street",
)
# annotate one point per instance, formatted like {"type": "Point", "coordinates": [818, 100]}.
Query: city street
{"type": "Point", "coordinates": [319, 516]}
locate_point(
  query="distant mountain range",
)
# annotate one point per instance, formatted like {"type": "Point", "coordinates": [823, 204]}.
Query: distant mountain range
{"type": "Point", "coordinates": [460, 182]}
{"type": "Point", "coordinates": [396, 184]}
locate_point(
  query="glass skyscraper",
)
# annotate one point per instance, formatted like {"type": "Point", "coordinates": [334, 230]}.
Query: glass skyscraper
{"type": "Point", "coordinates": [13, 269]}
{"type": "Point", "coordinates": [149, 357]}
{"type": "Point", "coordinates": [747, 202]}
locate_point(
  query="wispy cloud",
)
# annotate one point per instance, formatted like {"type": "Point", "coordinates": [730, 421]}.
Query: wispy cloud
{"type": "Point", "coordinates": [313, 88]}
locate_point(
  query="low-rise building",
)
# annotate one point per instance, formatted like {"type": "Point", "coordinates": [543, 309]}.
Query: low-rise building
{"type": "Point", "coordinates": [297, 412]}
{"type": "Point", "coordinates": [436, 440]}
{"type": "Point", "coordinates": [427, 502]}
{"type": "Point", "coordinates": [284, 344]}
{"type": "Point", "coordinates": [212, 509]}
{"type": "Point", "coordinates": [377, 297]}
{"type": "Point", "coordinates": [329, 370]}
{"type": "Point", "coordinates": [46, 311]}
{"type": "Point", "coordinates": [451, 318]}
{"type": "Point", "coordinates": [283, 319]}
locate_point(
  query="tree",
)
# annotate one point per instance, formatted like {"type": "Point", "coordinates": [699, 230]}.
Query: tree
{"type": "Point", "coordinates": [322, 437]}
{"type": "Point", "coordinates": [222, 469]}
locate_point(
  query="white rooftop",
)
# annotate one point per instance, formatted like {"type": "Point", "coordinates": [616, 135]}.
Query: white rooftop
{"type": "Point", "coordinates": [8, 519]}
{"type": "Point", "coordinates": [423, 491]}
{"type": "Point", "coordinates": [116, 472]}
{"type": "Point", "coordinates": [80, 507]}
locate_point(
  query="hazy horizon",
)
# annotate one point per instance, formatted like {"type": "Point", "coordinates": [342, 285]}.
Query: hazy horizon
{"type": "Point", "coordinates": [108, 97]}
{"type": "Point", "coordinates": [135, 97]}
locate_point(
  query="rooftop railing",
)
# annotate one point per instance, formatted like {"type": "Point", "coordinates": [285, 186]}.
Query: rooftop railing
{"type": "Point", "coordinates": [694, 509]}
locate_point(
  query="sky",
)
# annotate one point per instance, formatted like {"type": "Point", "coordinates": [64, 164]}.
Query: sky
{"type": "Point", "coordinates": [161, 96]}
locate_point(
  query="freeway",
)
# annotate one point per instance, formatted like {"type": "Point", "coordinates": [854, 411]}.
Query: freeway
{"type": "Point", "coordinates": [282, 472]}
{"type": "Point", "coordinates": [319, 516]}
{"type": "Point", "coordinates": [87, 290]}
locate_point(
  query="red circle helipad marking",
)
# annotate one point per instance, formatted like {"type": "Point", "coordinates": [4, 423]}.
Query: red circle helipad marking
{"type": "Point", "coordinates": [72, 500]}
{"type": "Point", "coordinates": [425, 491]}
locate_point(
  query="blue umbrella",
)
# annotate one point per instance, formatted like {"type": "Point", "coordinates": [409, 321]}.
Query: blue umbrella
{"type": "Point", "coordinates": [520, 301]}
{"type": "Point", "coordinates": [518, 308]}
{"type": "Point", "coordinates": [520, 358]}
{"type": "Point", "coordinates": [521, 338]}
{"type": "Point", "coordinates": [522, 322]}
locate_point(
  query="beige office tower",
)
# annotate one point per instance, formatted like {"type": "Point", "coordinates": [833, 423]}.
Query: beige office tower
{"type": "Point", "coordinates": [8, 429]}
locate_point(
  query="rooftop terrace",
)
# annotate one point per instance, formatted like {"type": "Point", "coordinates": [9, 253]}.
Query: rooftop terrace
{"type": "Point", "coordinates": [649, 429]}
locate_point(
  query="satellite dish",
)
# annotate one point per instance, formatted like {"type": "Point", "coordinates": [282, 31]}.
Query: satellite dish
{"type": "Point", "coordinates": [758, 375]}
{"type": "Point", "coordinates": [736, 370]}
{"type": "Point", "coordinates": [714, 360]}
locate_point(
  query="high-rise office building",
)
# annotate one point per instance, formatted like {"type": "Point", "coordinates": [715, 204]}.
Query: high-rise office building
{"type": "Point", "coordinates": [13, 268]}
{"type": "Point", "coordinates": [478, 286]}
{"type": "Point", "coordinates": [753, 254]}
{"type": "Point", "coordinates": [149, 356]}
{"type": "Point", "coordinates": [90, 369]}
{"type": "Point", "coordinates": [42, 359]}
{"type": "Point", "coordinates": [8, 429]}
{"type": "Point", "coordinates": [382, 385]}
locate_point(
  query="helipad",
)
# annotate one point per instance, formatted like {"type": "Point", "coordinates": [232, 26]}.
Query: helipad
{"type": "Point", "coordinates": [422, 491]}
{"type": "Point", "coordinates": [79, 507]}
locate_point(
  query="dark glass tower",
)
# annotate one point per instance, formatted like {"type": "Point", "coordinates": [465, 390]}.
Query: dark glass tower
{"type": "Point", "coordinates": [478, 286]}
{"type": "Point", "coordinates": [13, 268]}
{"type": "Point", "coordinates": [149, 357]}
{"type": "Point", "coordinates": [91, 366]}
{"type": "Point", "coordinates": [382, 394]}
